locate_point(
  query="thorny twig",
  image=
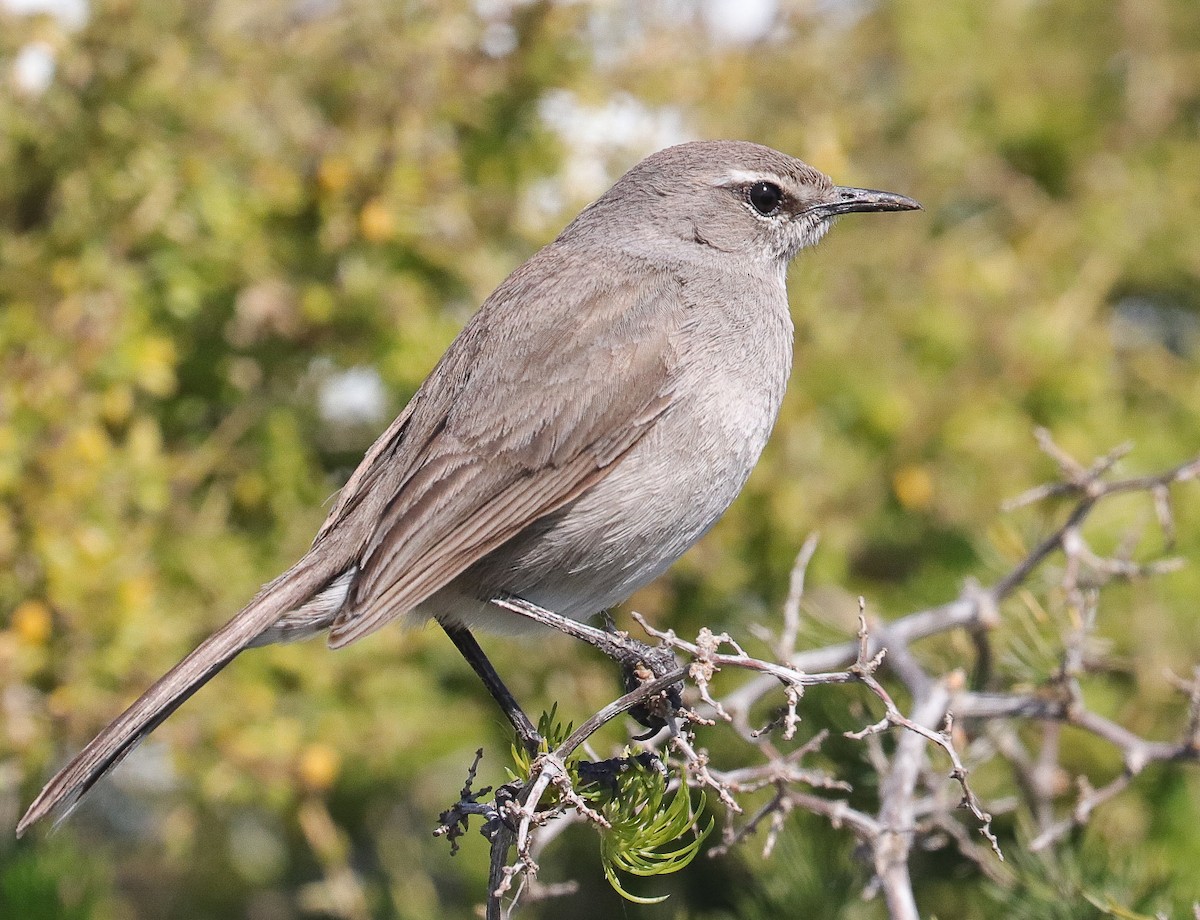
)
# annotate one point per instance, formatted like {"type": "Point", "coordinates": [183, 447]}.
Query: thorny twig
{"type": "Point", "coordinates": [906, 813]}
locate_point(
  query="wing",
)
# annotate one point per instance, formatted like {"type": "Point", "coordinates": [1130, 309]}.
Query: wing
{"type": "Point", "coordinates": [552, 382]}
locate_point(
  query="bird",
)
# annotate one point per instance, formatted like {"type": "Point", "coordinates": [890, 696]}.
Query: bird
{"type": "Point", "coordinates": [592, 420]}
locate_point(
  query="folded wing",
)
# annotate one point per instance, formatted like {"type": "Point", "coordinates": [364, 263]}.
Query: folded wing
{"type": "Point", "coordinates": [537, 400]}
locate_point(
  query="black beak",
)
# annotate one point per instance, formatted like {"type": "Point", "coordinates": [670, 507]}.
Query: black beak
{"type": "Point", "coordinates": [844, 200]}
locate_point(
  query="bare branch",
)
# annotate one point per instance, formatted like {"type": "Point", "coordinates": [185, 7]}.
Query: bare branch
{"type": "Point", "coordinates": [916, 805]}
{"type": "Point", "coordinates": [786, 645]}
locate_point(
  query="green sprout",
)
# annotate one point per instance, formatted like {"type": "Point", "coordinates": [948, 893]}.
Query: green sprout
{"type": "Point", "coordinates": [644, 835]}
{"type": "Point", "coordinates": [553, 734]}
{"type": "Point", "coordinates": [646, 832]}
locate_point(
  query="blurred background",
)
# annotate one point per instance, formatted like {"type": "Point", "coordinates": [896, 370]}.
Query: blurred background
{"type": "Point", "coordinates": [235, 236]}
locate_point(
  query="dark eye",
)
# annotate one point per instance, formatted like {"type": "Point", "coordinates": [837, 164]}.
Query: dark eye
{"type": "Point", "coordinates": [766, 197]}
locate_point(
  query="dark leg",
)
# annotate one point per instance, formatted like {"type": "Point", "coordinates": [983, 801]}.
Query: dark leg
{"type": "Point", "coordinates": [466, 644]}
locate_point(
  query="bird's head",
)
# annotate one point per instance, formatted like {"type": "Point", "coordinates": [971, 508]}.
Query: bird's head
{"type": "Point", "coordinates": [732, 197]}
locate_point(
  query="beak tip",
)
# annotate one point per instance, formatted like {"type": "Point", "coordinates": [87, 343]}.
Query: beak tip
{"type": "Point", "coordinates": [847, 200]}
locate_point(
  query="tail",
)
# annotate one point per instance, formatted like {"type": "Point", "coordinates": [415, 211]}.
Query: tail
{"type": "Point", "coordinates": [286, 593]}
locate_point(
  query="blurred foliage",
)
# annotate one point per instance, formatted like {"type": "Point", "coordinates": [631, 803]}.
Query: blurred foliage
{"type": "Point", "coordinates": [212, 210]}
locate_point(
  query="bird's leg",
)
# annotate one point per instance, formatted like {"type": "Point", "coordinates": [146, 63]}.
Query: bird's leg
{"type": "Point", "coordinates": [466, 644]}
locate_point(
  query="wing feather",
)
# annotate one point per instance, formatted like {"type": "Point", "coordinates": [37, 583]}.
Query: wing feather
{"type": "Point", "coordinates": [515, 422]}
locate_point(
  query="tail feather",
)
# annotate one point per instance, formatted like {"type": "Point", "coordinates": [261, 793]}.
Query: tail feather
{"type": "Point", "coordinates": [287, 592]}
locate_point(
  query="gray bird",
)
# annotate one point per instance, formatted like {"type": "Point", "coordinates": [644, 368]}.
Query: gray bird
{"type": "Point", "coordinates": [595, 417]}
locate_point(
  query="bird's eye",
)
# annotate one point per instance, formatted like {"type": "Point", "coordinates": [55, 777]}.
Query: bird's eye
{"type": "Point", "coordinates": [765, 197]}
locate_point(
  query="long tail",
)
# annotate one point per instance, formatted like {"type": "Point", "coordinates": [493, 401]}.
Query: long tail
{"type": "Point", "coordinates": [286, 593]}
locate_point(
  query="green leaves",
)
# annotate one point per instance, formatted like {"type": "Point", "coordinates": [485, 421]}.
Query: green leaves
{"type": "Point", "coordinates": [645, 836]}
{"type": "Point", "coordinates": [553, 735]}
{"type": "Point", "coordinates": [643, 831]}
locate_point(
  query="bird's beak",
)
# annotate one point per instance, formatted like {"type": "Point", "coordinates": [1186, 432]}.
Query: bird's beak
{"type": "Point", "coordinates": [844, 200]}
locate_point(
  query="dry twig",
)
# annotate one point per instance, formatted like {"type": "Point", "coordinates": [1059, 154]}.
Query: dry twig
{"type": "Point", "coordinates": [907, 814]}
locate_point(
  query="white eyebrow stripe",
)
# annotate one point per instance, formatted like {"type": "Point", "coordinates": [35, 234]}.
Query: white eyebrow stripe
{"type": "Point", "coordinates": [740, 176]}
